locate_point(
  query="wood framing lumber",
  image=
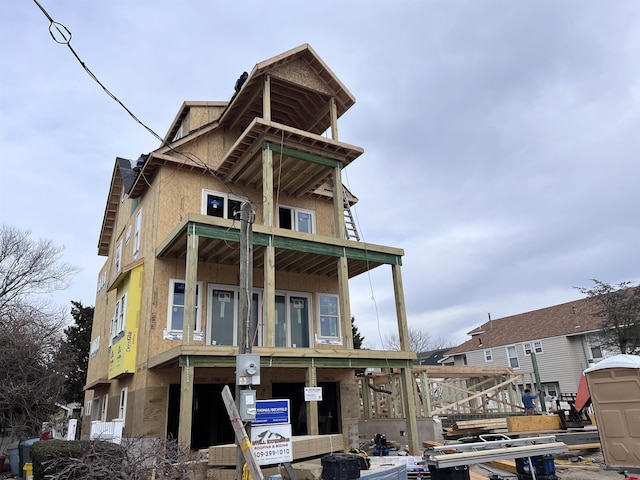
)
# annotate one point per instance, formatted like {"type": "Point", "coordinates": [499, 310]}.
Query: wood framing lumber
{"type": "Point", "coordinates": [303, 447]}
{"type": "Point", "coordinates": [584, 446]}
{"type": "Point", "coordinates": [533, 422]}
{"type": "Point", "coordinates": [506, 465]}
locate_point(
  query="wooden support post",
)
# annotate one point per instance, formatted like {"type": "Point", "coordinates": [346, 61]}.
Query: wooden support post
{"type": "Point", "coordinates": [266, 98]}
{"type": "Point", "coordinates": [313, 427]}
{"type": "Point", "coordinates": [186, 381]}
{"type": "Point", "coordinates": [406, 379]}
{"type": "Point", "coordinates": [269, 294]}
{"type": "Point", "coordinates": [333, 110]}
{"type": "Point", "coordinates": [401, 314]}
{"type": "Point", "coordinates": [365, 391]}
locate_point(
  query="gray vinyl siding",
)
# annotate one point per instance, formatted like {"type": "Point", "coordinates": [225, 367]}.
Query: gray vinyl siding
{"type": "Point", "coordinates": [562, 360]}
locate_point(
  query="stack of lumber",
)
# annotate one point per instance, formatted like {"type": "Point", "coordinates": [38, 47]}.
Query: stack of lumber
{"type": "Point", "coordinates": [464, 428]}
{"type": "Point", "coordinates": [222, 458]}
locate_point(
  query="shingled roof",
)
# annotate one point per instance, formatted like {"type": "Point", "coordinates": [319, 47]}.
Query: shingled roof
{"type": "Point", "coordinates": [566, 319]}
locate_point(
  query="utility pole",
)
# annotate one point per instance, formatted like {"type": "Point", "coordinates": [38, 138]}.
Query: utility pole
{"type": "Point", "coordinates": [244, 338]}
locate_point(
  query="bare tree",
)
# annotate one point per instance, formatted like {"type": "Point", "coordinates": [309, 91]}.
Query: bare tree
{"type": "Point", "coordinates": [29, 267]}
{"type": "Point", "coordinates": [31, 330]}
{"type": "Point", "coordinates": [31, 383]}
{"type": "Point", "coordinates": [619, 308]}
{"type": "Point", "coordinates": [420, 340]}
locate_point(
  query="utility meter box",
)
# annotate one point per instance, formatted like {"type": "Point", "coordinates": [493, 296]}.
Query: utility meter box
{"type": "Point", "coordinates": [248, 405]}
{"type": "Point", "coordinates": [248, 369]}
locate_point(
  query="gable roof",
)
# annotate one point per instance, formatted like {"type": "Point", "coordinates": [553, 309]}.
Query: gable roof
{"type": "Point", "coordinates": [300, 95]}
{"type": "Point", "coordinates": [566, 319]}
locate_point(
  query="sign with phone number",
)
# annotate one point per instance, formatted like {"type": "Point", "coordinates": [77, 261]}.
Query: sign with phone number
{"type": "Point", "coordinates": [272, 444]}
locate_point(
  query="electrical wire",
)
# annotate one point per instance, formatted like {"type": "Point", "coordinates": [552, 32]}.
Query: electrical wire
{"type": "Point", "coordinates": [373, 296]}
{"type": "Point", "coordinates": [62, 35]}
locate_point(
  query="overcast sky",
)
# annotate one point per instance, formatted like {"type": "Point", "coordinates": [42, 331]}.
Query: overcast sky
{"type": "Point", "coordinates": [501, 138]}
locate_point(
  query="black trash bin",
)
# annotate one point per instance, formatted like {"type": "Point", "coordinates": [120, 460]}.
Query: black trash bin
{"type": "Point", "coordinates": [340, 467]}
{"type": "Point", "coordinates": [460, 472]}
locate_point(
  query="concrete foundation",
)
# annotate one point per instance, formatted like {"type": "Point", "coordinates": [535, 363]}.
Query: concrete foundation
{"type": "Point", "coordinates": [396, 430]}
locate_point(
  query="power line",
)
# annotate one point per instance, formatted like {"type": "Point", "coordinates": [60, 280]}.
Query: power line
{"type": "Point", "coordinates": [62, 35]}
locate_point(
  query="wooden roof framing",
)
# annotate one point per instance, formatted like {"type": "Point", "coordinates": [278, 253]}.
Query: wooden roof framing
{"type": "Point", "coordinates": [291, 104]}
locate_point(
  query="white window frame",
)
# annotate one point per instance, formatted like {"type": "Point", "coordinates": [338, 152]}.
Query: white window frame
{"type": "Point", "coordinates": [104, 407]}
{"type": "Point", "coordinates": [87, 408]}
{"type": "Point", "coordinates": [119, 319]}
{"type": "Point", "coordinates": [236, 311]}
{"type": "Point", "coordinates": [136, 234]}
{"type": "Point", "coordinates": [509, 357]}
{"type": "Point", "coordinates": [118, 258]}
{"type": "Point", "coordinates": [488, 355]}
{"type": "Point", "coordinates": [122, 406]}
{"type": "Point", "coordinates": [287, 296]}
{"type": "Point", "coordinates": [295, 224]}
{"type": "Point", "coordinates": [95, 347]}
{"type": "Point", "coordinates": [171, 304]}
{"type": "Point", "coordinates": [593, 342]}
{"type": "Point", "coordinates": [536, 346]}
{"type": "Point", "coordinates": [320, 315]}
{"type": "Point", "coordinates": [102, 282]}
{"type": "Point", "coordinates": [226, 198]}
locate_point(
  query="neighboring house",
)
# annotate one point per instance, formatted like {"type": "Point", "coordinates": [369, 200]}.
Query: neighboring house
{"type": "Point", "coordinates": [433, 357]}
{"type": "Point", "coordinates": [167, 311]}
{"type": "Point", "coordinates": [564, 339]}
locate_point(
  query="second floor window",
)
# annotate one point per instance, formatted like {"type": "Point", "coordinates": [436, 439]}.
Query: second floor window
{"type": "Point", "coordinates": [512, 355]}
{"type": "Point", "coordinates": [594, 346]}
{"type": "Point", "coordinates": [536, 346]}
{"type": "Point", "coordinates": [329, 316]}
{"type": "Point", "coordinates": [488, 356]}
{"type": "Point", "coordinates": [175, 317]}
{"type": "Point", "coordinates": [297, 219]}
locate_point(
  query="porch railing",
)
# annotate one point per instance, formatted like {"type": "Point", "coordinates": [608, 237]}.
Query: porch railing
{"type": "Point", "coordinates": [107, 431]}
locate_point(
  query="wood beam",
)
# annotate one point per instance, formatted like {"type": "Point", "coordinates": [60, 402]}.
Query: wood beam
{"type": "Point", "coordinates": [401, 314]}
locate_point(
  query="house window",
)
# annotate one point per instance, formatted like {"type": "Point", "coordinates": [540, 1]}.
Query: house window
{"type": "Point", "coordinates": [102, 282]}
{"type": "Point", "coordinates": [136, 235]}
{"type": "Point", "coordinates": [512, 355]}
{"type": "Point", "coordinates": [118, 259]}
{"type": "Point", "coordinates": [536, 346]}
{"type": "Point", "coordinates": [221, 205]}
{"type": "Point", "coordinates": [122, 407]}
{"type": "Point", "coordinates": [595, 347]}
{"type": "Point", "coordinates": [329, 315]}
{"type": "Point", "coordinates": [488, 356]}
{"type": "Point", "coordinates": [175, 316]}
{"type": "Point", "coordinates": [292, 320]}
{"type": "Point", "coordinates": [119, 320]}
{"type": "Point", "coordinates": [224, 312]}
{"type": "Point", "coordinates": [87, 409]}
{"type": "Point", "coordinates": [95, 346]}
{"type": "Point", "coordinates": [297, 219]}
{"type": "Point", "coordinates": [103, 409]}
